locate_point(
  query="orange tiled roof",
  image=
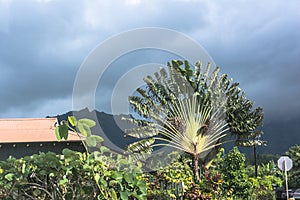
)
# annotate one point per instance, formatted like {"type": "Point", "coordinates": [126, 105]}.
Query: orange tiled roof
{"type": "Point", "coordinates": [30, 130]}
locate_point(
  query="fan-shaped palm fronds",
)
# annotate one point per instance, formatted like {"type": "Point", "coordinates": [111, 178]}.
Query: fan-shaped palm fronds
{"type": "Point", "coordinates": [200, 128]}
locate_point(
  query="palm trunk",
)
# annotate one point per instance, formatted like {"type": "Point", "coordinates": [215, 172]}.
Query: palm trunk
{"type": "Point", "coordinates": [196, 167]}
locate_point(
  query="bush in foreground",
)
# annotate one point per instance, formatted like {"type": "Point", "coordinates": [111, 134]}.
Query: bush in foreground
{"type": "Point", "coordinates": [72, 175]}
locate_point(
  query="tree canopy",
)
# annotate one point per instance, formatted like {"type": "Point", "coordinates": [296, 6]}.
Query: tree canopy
{"type": "Point", "coordinates": [294, 173]}
{"type": "Point", "coordinates": [188, 96]}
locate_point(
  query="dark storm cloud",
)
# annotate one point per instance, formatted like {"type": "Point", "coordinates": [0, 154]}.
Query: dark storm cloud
{"type": "Point", "coordinates": [258, 46]}
{"type": "Point", "coordinates": [43, 44]}
{"type": "Point", "coordinates": [38, 55]}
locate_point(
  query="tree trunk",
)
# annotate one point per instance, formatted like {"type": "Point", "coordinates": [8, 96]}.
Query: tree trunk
{"type": "Point", "coordinates": [255, 159]}
{"type": "Point", "coordinates": [196, 167]}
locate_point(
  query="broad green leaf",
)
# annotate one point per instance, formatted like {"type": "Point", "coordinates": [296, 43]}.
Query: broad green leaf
{"type": "Point", "coordinates": [98, 138]}
{"type": "Point", "coordinates": [67, 152]}
{"type": "Point", "coordinates": [62, 132]}
{"type": "Point", "coordinates": [57, 134]}
{"type": "Point", "coordinates": [128, 178]}
{"type": "Point", "coordinates": [91, 141]}
{"type": "Point", "coordinates": [124, 195]}
{"type": "Point", "coordinates": [90, 123]}
{"type": "Point", "coordinates": [103, 182]}
{"type": "Point", "coordinates": [141, 183]}
{"type": "Point", "coordinates": [117, 175]}
{"type": "Point", "coordinates": [84, 129]}
{"type": "Point", "coordinates": [113, 194]}
{"type": "Point", "coordinates": [103, 149]}
{"type": "Point", "coordinates": [9, 176]}
{"type": "Point", "coordinates": [72, 120]}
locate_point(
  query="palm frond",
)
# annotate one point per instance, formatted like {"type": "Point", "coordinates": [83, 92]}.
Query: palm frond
{"type": "Point", "coordinates": [142, 131]}
{"type": "Point", "coordinates": [140, 146]}
{"type": "Point", "coordinates": [195, 117]}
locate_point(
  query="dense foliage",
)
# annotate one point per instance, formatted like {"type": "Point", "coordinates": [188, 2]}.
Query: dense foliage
{"type": "Point", "coordinates": [227, 178]}
{"type": "Point", "coordinates": [294, 173]}
{"type": "Point", "coordinates": [72, 175]}
{"type": "Point", "coordinates": [232, 168]}
{"type": "Point", "coordinates": [269, 178]}
{"type": "Point", "coordinates": [101, 174]}
{"type": "Point", "coordinates": [75, 175]}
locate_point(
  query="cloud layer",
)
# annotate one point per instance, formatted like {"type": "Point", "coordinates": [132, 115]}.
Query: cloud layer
{"type": "Point", "coordinates": [43, 44]}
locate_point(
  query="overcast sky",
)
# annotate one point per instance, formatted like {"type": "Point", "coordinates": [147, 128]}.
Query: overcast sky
{"type": "Point", "coordinates": [44, 42]}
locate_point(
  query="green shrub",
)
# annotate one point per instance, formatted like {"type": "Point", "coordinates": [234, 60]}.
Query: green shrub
{"type": "Point", "coordinates": [268, 175]}
{"type": "Point", "coordinates": [236, 182]}
{"type": "Point", "coordinates": [72, 175]}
